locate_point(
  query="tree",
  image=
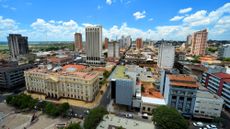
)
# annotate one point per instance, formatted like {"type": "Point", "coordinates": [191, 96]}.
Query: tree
{"type": "Point", "coordinates": [51, 110]}
{"type": "Point", "coordinates": [142, 88]}
{"type": "Point", "coordinates": [94, 118]}
{"type": "Point", "coordinates": [74, 126]}
{"type": "Point", "coordinates": [169, 118]}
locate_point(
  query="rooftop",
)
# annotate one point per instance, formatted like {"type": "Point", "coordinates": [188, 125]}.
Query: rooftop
{"type": "Point", "coordinates": [222, 75]}
{"type": "Point", "coordinates": [119, 73]}
{"type": "Point", "coordinates": [149, 91]}
{"type": "Point", "coordinates": [67, 70]}
{"type": "Point", "coordinates": [182, 80]}
{"type": "Point", "coordinates": [208, 95]}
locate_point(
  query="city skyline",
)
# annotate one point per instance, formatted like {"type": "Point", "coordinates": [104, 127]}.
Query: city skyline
{"type": "Point", "coordinates": [55, 22]}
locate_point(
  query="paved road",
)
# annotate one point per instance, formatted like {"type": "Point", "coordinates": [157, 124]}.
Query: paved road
{"type": "Point", "coordinates": [105, 100]}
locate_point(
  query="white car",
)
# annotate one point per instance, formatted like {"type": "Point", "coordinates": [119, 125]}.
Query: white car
{"type": "Point", "coordinates": [211, 126]}
{"type": "Point", "coordinates": [199, 124]}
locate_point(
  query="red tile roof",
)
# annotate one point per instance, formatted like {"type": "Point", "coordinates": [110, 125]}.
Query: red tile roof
{"type": "Point", "coordinates": [222, 75]}
{"type": "Point", "coordinates": [183, 81]}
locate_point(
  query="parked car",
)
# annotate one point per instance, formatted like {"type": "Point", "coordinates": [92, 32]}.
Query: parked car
{"type": "Point", "coordinates": [199, 124]}
{"type": "Point", "coordinates": [145, 116]}
{"type": "Point", "coordinates": [211, 126]}
{"type": "Point", "coordinates": [129, 115]}
{"type": "Point", "coordinates": [203, 128]}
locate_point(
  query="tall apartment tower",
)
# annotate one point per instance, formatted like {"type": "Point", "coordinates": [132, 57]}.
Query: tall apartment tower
{"type": "Point", "coordinates": [125, 42]}
{"type": "Point", "coordinates": [106, 43]}
{"type": "Point", "coordinates": [18, 45]}
{"type": "Point", "coordinates": [113, 49]}
{"type": "Point", "coordinates": [93, 44]}
{"type": "Point", "coordinates": [139, 43]}
{"type": "Point", "coordinates": [199, 42]}
{"type": "Point", "coordinates": [189, 39]}
{"type": "Point", "coordinates": [78, 41]}
{"type": "Point", "coordinates": [166, 56]}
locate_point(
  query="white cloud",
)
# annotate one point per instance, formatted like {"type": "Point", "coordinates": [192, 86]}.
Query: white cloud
{"type": "Point", "coordinates": [109, 2]}
{"type": "Point", "coordinates": [139, 15]}
{"type": "Point", "coordinates": [186, 10]}
{"type": "Point", "coordinates": [176, 18]}
{"type": "Point", "coordinates": [8, 7]}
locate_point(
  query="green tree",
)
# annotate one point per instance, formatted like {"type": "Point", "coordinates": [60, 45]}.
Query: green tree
{"type": "Point", "coordinates": [74, 126]}
{"type": "Point", "coordinates": [51, 110]}
{"type": "Point", "coordinates": [169, 118]}
{"type": "Point", "coordinates": [94, 118]}
{"type": "Point", "coordinates": [142, 88]}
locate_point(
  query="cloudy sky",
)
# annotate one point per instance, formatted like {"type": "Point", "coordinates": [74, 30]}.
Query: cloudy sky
{"type": "Point", "coordinates": [58, 20]}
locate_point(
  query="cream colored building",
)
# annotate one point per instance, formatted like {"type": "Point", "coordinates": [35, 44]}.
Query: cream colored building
{"type": "Point", "coordinates": [207, 105]}
{"type": "Point", "coordinates": [58, 82]}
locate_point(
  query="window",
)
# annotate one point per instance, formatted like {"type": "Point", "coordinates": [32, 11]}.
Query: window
{"type": "Point", "coordinates": [143, 108]}
{"type": "Point", "coordinates": [148, 109]}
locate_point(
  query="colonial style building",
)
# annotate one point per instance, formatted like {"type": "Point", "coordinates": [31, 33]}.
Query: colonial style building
{"type": "Point", "coordinates": [68, 81]}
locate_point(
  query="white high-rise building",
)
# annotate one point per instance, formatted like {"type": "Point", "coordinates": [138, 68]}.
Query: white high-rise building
{"type": "Point", "coordinates": [166, 55]}
{"type": "Point", "coordinates": [113, 49]}
{"type": "Point", "coordinates": [94, 44]}
{"type": "Point", "coordinates": [125, 42]}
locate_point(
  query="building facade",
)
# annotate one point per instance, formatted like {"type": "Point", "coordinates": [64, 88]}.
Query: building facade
{"type": "Point", "coordinates": [68, 82]}
{"type": "Point", "coordinates": [139, 43]}
{"type": "Point", "coordinates": [12, 75]}
{"type": "Point", "coordinates": [106, 41]}
{"type": "Point", "coordinates": [218, 83]}
{"type": "Point", "coordinates": [113, 50]}
{"type": "Point", "coordinates": [78, 41]}
{"type": "Point", "coordinates": [166, 56]}
{"type": "Point", "coordinates": [18, 45]}
{"type": "Point", "coordinates": [207, 105]}
{"type": "Point", "coordinates": [180, 93]}
{"type": "Point", "coordinates": [199, 42]}
{"type": "Point", "coordinates": [93, 44]}
{"type": "Point", "coordinates": [224, 51]}
{"type": "Point", "coordinates": [189, 39]}
{"type": "Point", "coordinates": [125, 42]}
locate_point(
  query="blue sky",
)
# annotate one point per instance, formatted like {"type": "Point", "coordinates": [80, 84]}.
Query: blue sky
{"type": "Point", "coordinates": [154, 19]}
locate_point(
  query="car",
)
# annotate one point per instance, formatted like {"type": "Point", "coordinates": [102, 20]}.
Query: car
{"type": "Point", "coordinates": [86, 112]}
{"type": "Point", "coordinates": [75, 115]}
{"type": "Point", "coordinates": [199, 124]}
{"type": "Point", "coordinates": [128, 115]}
{"type": "Point", "coordinates": [211, 126]}
{"type": "Point", "coordinates": [203, 128]}
{"type": "Point", "coordinates": [145, 116]}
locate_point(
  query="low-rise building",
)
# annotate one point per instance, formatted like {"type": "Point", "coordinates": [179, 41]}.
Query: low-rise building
{"type": "Point", "coordinates": [207, 105]}
{"type": "Point", "coordinates": [218, 83]}
{"type": "Point", "coordinates": [68, 81]}
{"type": "Point", "coordinates": [180, 93]}
{"type": "Point", "coordinates": [12, 75]}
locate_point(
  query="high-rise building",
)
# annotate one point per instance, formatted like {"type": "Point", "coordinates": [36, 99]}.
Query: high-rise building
{"type": "Point", "coordinates": [166, 55]}
{"type": "Point", "coordinates": [106, 43]}
{"type": "Point", "coordinates": [78, 41]}
{"type": "Point", "coordinates": [139, 43]}
{"type": "Point", "coordinates": [189, 39]}
{"type": "Point", "coordinates": [180, 93]}
{"type": "Point", "coordinates": [199, 42]}
{"type": "Point", "coordinates": [18, 45]}
{"type": "Point", "coordinates": [125, 42]}
{"type": "Point", "coordinates": [93, 44]}
{"type": "Point", "coordinates": [224, 51]}
{"type": "Point", "coordinates": [113, 50]}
